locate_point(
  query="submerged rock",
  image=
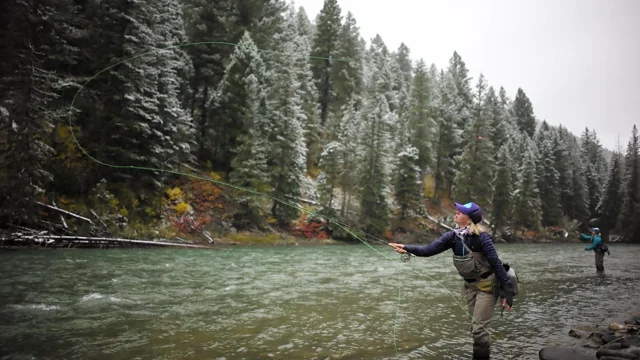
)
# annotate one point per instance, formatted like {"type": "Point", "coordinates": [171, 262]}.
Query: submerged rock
{"type": "Point", "coordinates": [563, 353]}
{"type": "Point", "coordinates": [616, 354]}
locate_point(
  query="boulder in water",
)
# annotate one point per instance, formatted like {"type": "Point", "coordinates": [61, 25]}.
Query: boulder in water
{"type": "Point", "coordinates": [563, 353]}
{"type": "Point", "coordinates": [632, 321]}
{"type": "Point", "coordinates": [578, 334]}
{"type": "Point", "coordinates": [632, 340]}
{"type": "Point", "coordinates": [607, 338]}
{"type": "Point", "coordinates": [615, 354]}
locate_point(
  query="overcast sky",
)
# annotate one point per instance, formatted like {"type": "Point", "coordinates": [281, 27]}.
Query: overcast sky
{"type": "Point", "coordinates": [577, 60]}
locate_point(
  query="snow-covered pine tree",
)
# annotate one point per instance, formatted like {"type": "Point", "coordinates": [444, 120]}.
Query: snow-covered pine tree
{"type": "Point", "coordinates": [304, 26]}
{"type": "Point", "coordinates": [402, 69]}
{"type": "Point", "coordinates": [329, 178]}
{"type": "Point", "coordinates": [228, 108]}
{"type": "Point", "coordinates": [347, 68]}
{"type": "Point", "coordinates": [630, 212]}
{"type": "Point", "coordinates": [325, 44]}
{"type": "Point", "coordinates": [462, 102]}
{"type": "Point", "coordinates": [497, 124]}
{"type": "Point", "coordinates": [421, 125]}
{"type": "Point", "coordinates": [348, 137]}
{"type": "Point", "coordinates": [132, 125]}
{"type": "Point", "coordinates": [563, 164]}
{"type": "Point", "coordinates": [447, 137]}
{"type": "Point", "coordinates": [473, 180]}
{"type": "Point", "coordinates": [175, 66]}
{"type": "Point", "coordinates": [579, 200]}
{"type": "Point", "coordinates": [523, 113]}
{"type": "Point", "coordinates": [288, 155]}
{"type": "Point", "coordinates": [27, 91]}
{"type": "Point", "coordinates": [407, 182]}
{"type": "Point", "coordinates": [548, 176]}
{"type": "Point", "coordinates": [527, 207]}
{"type": "Point", "coordinates": [610, 205]}
{"type": "Point", "coordinates": [207, 21]}
{"type": "Point", "coordinates": [504, 183]}
{"type": "Point", "coordinates": [374, 209]}
{"type": "Point", "coordinates": [595, 168]}
{"type": "Point", "coordinates": [298, 34]}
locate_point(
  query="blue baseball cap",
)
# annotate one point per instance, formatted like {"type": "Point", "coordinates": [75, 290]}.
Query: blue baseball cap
{"type": "Point", "coordinates": [472, 210]}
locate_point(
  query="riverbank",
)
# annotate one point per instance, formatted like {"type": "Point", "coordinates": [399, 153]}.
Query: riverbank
{"type": "Point", "coordinates": [615, 340]}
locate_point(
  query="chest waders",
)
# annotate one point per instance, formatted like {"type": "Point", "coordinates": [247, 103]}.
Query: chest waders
{"type": "Point", "coordinates": [481, 293]}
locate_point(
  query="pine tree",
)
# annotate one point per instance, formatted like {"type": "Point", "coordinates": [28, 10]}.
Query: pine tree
{"type": "Point", "coordinates": [564, 167]}
{"type": "Point", "coordinates": [408, 184]}
{"type": "Point", "coordinates": [421, 124]}
{"type": "Point", "coordinates": [350, 131]}
{"type": "Point", "coordinates": [548, 177]}
{"type": "Point", "coordinates": [288, 151]}
{"type": "Point", "coordinates": [347, 68]}
{"type": "Point", "coordinates": [461, 101]}
{"type": "Point", "coordinates": [610, 205]}
{"type": "Point", "coordinates": [446, 138]}
{"type": "Point", "coordinates": [227, 114]}
{"type": "Point", "coordinates": [473, 181]}
{"type": "Point", "coordinates": [503, 187]}
{"type": "Point", "coordinates": [175, 68]}
{"type": "Point", "coordinates": [527, 207]}
{"type": "Point", "coordinates": [497, 123]}
{"type": "Point", "coordinates": [249, 165]}
{"type": "Point", "coordinates": [374, 210]}
{"type": "Point", "coordinates": [27, 89]}
{"type": "Point", "coordinates": [206, 21]}
{"type": "Point", "coordinates": [324, 46]}
{"type": "Point", "coordinates": [332, 167]}
{"type": "Point", "coordinates": [630, 211]}
{"type": "Point", "coordinates": [523, 113]}
{"type": "Point", "coordinates": [298, 33]}
{"type": "Point", "coordinates": [579, 200]}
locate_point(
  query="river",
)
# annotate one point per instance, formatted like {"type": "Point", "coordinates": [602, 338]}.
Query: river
{"type": "Point", "coordinates": [293, 302]}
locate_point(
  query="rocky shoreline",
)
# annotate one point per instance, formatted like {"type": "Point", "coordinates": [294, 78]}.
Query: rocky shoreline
{"type": "Point", "coordinates": [616, 341]}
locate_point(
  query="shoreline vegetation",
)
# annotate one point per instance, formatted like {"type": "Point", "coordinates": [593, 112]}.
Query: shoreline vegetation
{"type": "Point", "coordinates": [62, 228]}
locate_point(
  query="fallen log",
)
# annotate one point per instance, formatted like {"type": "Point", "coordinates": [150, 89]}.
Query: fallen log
{"type": "Point", "coordinates": [65, 212]}
{"type": "Point", "coordinates": [118, 240]}
{"type": "Point", "coordinates": [438, 222]}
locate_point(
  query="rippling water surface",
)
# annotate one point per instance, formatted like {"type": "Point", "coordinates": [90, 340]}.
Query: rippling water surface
{"type": "Point", "coordinates": [305, 302]}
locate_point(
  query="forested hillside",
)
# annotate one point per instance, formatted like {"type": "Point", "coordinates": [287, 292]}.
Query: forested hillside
{"type": "Point", "coordinates": [303, 110]}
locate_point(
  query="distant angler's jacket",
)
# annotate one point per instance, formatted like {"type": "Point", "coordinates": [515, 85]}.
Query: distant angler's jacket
{"type": "Point", "coordinates": [596, 241]}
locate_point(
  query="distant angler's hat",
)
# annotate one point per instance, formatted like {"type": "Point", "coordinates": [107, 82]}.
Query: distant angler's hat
{"type": "Point", "coordinates": [597, 230]}
{"type": "Point", "coordinates": [472, 210]}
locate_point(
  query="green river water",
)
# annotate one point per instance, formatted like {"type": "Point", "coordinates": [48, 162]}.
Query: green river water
{"type": "Point", "coordinates": [293, 302]}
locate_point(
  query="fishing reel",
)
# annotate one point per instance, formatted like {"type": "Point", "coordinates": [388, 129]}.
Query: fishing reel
{"type": "Point", "coordinates": [405, 257]}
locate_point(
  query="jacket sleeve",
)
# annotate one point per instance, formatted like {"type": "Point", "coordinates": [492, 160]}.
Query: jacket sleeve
{"type": "Point", "coordinates": [443, 243]}
{"type": "Point", "coordinates": [486, 242]}
{"type": "Point", "coordinates": [585, 237]}
{"type": "Point", "coordinates": [596, 241]}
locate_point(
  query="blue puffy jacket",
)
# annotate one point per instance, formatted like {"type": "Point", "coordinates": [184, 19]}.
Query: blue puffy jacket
{"type": "Point", "coordinates": [596, 241]}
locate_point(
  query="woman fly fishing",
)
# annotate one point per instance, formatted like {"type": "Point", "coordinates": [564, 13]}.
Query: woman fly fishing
{"type": "Point", "coordinates": [477, 262]}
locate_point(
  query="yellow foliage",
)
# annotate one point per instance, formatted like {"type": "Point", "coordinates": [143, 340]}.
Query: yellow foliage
{"type": "Point", "coordinates": [313, 172]}
{"type": "Point", "coordinates": [175, 194]}
{"type": "Point", "coordinates": [429, 186]}
{"type": "Point", "coordinates": [181, 208]}
{"type": "Point", "coordinates": [64, 200]}
{"type": "Point", "coordinates": [149, 211]}
{"type": "Point", "coordinates": [271, 220]}
{"type": "Point", "coordinates": [114, 203]}
{"type": "Point", "coordinates": [124, 212]}
{"type": "Point", "coordinates": [215, 176]}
